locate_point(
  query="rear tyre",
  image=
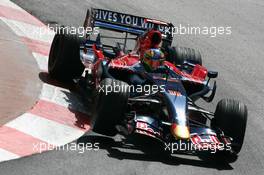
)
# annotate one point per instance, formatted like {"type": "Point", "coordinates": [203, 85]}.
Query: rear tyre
{"type": "Point", "coordinates": [231, 118]}
{"type": "Point", "coordinates": [111, 106]}
{"type": "Point", "coordinates": [180, 54]}
{"type": "Point", "coordinates": [64, 58]}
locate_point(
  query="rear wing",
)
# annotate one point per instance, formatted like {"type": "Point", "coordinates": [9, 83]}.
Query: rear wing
{"type": "Point", "coordinates": [127, 23]}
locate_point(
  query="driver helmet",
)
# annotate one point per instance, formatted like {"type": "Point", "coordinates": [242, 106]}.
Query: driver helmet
{"type": "Point", "coordinates": [152, 59]}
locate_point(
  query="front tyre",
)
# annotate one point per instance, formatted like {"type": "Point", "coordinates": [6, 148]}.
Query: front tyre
{"type": "Point", "coordinates": [111, 106]}
{"type": "Point", "coordinates": [231, 118]}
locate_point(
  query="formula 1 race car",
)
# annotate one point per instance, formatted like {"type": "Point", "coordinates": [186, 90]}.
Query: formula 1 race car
{"type": "Point", "coordinates": [163, 105]}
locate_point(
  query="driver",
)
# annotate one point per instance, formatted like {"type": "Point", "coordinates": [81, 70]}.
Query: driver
{"type": "Point", "coordinates": [152, 59]}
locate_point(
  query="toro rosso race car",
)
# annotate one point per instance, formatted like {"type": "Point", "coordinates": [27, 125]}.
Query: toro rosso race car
{"type": "Point", "coordinates": [159, 104]}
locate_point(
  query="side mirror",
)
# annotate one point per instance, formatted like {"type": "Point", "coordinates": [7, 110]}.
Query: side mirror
{"type": "Point", "coordinates": [212, 74]}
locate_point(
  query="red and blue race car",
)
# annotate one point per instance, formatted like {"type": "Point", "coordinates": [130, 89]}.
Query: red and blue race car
{"type": "Point", "coordinates": [159, 104]}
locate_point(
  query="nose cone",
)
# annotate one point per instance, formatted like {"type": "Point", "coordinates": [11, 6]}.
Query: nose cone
{"type": "Point", "coordinates": [180, 132]}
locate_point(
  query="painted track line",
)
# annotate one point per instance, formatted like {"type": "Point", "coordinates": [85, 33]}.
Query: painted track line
{"type": "Point", "coordinates": [37, 46]}
{"type": "Point", "coordinates": [6, 155]}
{"type": "Point", "coordinates": [9, 4]}
{"type": "Point", "coordinates": [60, 114]}
{"type": "Point", "coordinates": [19, 15]}
{"type": "Point", "coordinates": [47, 130]}
{"type": "Point", "coordinates": [58, 117]}
{"type": "Point", "coordinates": [42, 61]}
{"type": "Point", "coordinates": [30, 31]}
{"type": "Point", "coordinates": [62, 97]}
{"type": "Point", "coordinates": [17, 142]}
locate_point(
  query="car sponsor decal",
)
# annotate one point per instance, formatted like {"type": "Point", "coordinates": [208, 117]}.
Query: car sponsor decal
{"type": "Point", "coordinates": [176, 93]}
{"type": "Point", "coordinates": [129, 20]}
{"type": "Point", "coordinates": [143, 128]}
